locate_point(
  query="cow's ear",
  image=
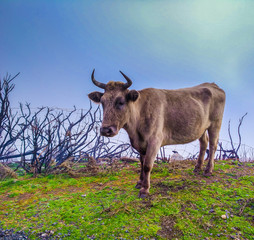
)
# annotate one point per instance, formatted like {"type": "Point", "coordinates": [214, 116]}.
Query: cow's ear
{"type": "Point", "coordinates": [132, 95]}
{"type": "Point", "coordinates": [95, 96]}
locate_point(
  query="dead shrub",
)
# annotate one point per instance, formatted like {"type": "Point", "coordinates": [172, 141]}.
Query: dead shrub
{"type": "Point", "coordinates": [181, 164]}
{"type": "Point", "coordinates": [65, 167]}
{"type": "Point", "coordinates": [68, 166]}
{"type": "Point", "coordinates": [5, 172]}
{"type": "Point", "coordinates": [92, 168]}
{"type": "Point", "coordinates": [129, 160]}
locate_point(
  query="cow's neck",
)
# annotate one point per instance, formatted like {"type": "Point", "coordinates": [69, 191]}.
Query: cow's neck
{"type": "Point", "coordinates": [131, 124]}
{"type": "Point", "coordinates": [132, 127]}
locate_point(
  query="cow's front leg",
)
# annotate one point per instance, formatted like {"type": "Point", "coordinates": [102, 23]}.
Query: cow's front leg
{"type": "Point", "coordinates": [148, 160]}
{"type": "Point", "coordinates": [139, 183]}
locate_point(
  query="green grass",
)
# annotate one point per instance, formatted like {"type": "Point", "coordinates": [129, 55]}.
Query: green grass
{"type": "Point", "coordinates": [181, 205]}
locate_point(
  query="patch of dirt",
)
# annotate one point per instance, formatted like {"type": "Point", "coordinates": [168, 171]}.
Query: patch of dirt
{"type": "Point", "coordinates": [168, 229]}
{"type": "Point", "coordinates": [4, 197]}
{"type": "Point", "coordinates": [61, 191]}
{"type": "Point", "coordinates": [25, 196]}
{"type": "Point", "coordinates": [164, 187]}
{"type": "Point", "coordinates": [214, 178]}
{"type": "Point", "coordinates": [20, 197]}
{"type": "Point", "coordinates": [174, 165]}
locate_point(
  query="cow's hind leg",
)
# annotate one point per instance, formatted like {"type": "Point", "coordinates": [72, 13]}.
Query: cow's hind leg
{"type": "Point", "coordinates": [139, 183]}
{"type": "Point", "coordinates": [213, 132]}
{"type": "Point", "coordinates": [203, 146]}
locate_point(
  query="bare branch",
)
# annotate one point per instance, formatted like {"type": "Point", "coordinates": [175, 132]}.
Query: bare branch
{"type": "Point", "coordinates": [239, 134]}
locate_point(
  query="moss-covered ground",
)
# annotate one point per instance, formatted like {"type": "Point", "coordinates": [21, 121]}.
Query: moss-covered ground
{"type": "Point", "coordinates": [181, 205]}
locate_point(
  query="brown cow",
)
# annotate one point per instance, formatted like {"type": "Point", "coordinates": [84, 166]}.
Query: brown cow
{"type": "Point", "coordinates": [158, 117]}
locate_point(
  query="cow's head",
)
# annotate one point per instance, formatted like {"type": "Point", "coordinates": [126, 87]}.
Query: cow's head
{"type": "Point", "coordinates": [115, 101]}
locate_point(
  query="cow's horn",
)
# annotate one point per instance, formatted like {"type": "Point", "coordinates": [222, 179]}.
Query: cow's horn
{"type": "Point", "coordinates": [98, 84]}
{"type": "Point", "coordinates": [129, 82]}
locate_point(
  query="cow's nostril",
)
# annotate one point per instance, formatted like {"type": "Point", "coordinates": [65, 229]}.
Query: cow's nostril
{"type": "Point", "coordinates": [107, 131]}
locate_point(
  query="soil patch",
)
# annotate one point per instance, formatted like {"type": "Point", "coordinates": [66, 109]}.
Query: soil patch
{"type": "Point", "coordinates": [168, 229]}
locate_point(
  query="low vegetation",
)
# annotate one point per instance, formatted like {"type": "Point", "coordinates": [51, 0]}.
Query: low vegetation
{"type": "Point", "coordinates": [105, 205]}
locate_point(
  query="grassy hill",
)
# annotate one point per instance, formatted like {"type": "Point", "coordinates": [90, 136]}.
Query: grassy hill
{"type": "Point", "coordinates": [181, 205]}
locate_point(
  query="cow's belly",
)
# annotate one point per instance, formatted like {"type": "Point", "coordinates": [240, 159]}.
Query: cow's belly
{"type": "Point", "coordinates": [187, 124]}
{"type": "Point", "coordinates": [180, 140]}
{"type": "Point", "coordinates": [186, 134]}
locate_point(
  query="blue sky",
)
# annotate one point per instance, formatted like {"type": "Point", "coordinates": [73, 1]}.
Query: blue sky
{"type": "Point", "coordinates": [162, 44]}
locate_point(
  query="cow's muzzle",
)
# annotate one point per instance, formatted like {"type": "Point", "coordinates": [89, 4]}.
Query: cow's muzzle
{"type": "Point", "coordinates": [108, 131]}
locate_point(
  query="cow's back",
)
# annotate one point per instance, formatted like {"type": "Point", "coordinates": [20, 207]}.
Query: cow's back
{"type": "Point", "coordinates": [182, 115]}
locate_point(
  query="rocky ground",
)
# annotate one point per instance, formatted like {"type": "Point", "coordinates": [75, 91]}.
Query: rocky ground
{"type": "Point", "coordinates": [11, 235]}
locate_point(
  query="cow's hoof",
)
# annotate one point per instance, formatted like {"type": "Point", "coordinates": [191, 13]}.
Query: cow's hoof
{"type": "Point", "coordinates": [207, 174]}
{"type": "Point", "coordinates": [197, 170]}
{"type": "Point", "coordinates": [143, 193]}
{"type": "Point", "coordinates": [138, 186]}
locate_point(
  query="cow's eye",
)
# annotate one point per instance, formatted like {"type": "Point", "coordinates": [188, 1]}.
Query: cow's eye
{"type": "Point", "coordinates": [119, 103]}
